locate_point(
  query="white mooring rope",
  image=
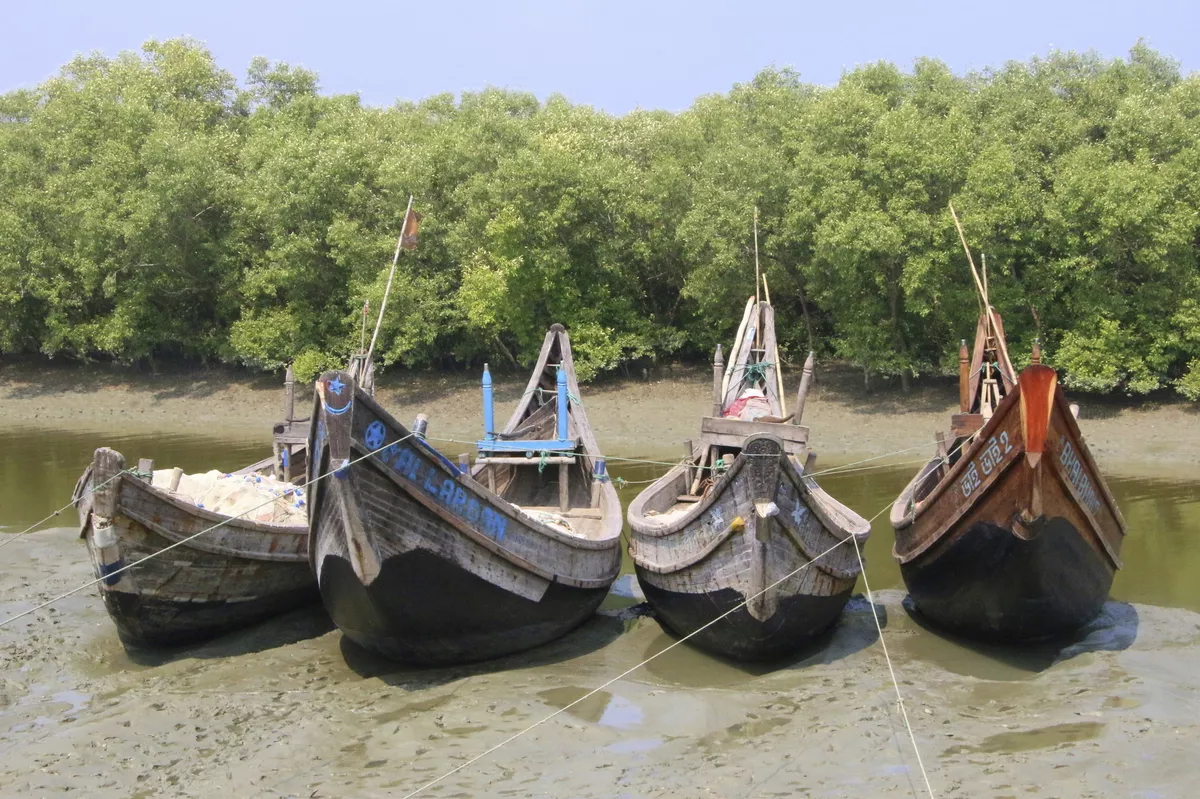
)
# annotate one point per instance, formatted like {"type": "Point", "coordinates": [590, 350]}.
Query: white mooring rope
{"type": "Point", "coordinates": [666, 649]}
{"type": "Point", "coordinates": [888, 658]}
{"type": "Point", "coordinates": [31, 528]}
{"type": "Point", "coordinates": [194, 536]}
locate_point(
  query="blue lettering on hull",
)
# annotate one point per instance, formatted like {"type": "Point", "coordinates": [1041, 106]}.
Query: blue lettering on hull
{"type": "Point", "coordinates": [446, 491]}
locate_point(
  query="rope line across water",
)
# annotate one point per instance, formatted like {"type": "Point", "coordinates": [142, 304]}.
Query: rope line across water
{"type": "Point", "coordinates": [668, 648]}
{"type": "Point", "coordinates": [9, 539]}
{"type": "Point", "coordinates": [194, 536]}
{"type": "Point", "coordinates": [623, 674]}
{"type": "Point", "coordinates": [891, 669]}
{"type": "Point", "coordinates": [830, 470]}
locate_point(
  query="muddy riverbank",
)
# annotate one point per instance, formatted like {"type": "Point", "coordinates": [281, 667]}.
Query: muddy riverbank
{"type": "Point", "coordinates": [634, 417]}
{"type": "Point", "coordinates": [291, 708]}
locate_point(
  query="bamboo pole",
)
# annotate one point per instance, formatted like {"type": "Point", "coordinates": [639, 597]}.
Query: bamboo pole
{"type": "Point", "coordinates": [737, 345]}
{"type": "Point", "coordinates": [391, 275]}
{"type": "Point", "coordinates": [775, 356]}
{"type": "Point", "coordinates": [757, 278]}
{"type": "Point", "coordinates": [987, 301]}
{"type": "Point", "coordinates": [974, 272]}
{"type": "Point", "coordinates": [362, 336]}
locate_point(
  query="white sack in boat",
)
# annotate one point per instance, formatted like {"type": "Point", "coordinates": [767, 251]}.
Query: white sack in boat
{"type": "Point", "coordinates": [255, 497]}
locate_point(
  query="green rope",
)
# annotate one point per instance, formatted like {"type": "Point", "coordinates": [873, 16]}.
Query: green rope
{"type": "Point", "coordinates": [542, 459]}
{"type": "Point", "coordinates": [542, 391]}
{"type": "Point", "coordinates": [755, 372]}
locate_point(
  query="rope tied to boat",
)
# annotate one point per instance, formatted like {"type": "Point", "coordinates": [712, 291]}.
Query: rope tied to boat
{"type": "Point", "coordinates": [74, 501]}
{"type": "Point", "coordinates": [720, 466]}
{"type": "Point", "coordinates": [681, 640]}
{"type": "Point", "coordinates": [194, 536]}
{"type": "Point", "coordinates": [891, 668]}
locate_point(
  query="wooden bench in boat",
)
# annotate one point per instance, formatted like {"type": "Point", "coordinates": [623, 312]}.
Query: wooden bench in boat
{"type": "Point", "coordinates": [733, 433]}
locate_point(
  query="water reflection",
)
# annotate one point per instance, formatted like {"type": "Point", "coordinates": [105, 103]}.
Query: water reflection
{"type": "Point", "coordinates": [38, 468]}
{"type": "Point", "coordinates": [1113, 630]}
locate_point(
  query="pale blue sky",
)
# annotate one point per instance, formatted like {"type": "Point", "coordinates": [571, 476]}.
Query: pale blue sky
{"type": "Point", "coordinates": [616, 55]}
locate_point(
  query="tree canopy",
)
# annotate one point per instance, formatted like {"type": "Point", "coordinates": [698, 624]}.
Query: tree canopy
{"type": "Point", "coordinates": [152, 208]}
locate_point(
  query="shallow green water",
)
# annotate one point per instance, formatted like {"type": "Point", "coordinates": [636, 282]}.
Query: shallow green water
{"type": "Point", "coordinates": [1161, 553]}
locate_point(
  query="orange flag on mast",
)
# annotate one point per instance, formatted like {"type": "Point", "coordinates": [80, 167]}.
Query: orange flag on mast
{"type": "Point", "coordinates": [408, 239]}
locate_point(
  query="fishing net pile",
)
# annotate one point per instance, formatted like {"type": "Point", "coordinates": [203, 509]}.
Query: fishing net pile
{"type": "Point", "coordinates": [255, 497]}
{"type": "Point", "coordinates": [554, 520]}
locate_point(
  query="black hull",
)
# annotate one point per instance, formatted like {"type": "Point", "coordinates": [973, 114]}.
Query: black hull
{"type": "Point", "coordinates": [798, 621]}
{"type": "Point", "coordinates": [425, 610]}
{"type": "Point", "coordinates": [146, 621]}
{"type": "Point", "coordinates": [991, 585]}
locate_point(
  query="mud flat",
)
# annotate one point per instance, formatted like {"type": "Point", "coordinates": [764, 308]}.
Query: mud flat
{"type": "Point", "coordinates": [292, 709]}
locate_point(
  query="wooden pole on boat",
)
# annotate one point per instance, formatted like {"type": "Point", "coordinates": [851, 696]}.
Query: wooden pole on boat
{"type": "Point", "coordinates": [983, 298]}
{"type": "Point", "coordinates": [106, 465]}
{"type": "Point", "coordinates": [737, 346]}
{"type": "Point", "coordinates": [775, 357]}
{"type": "Point", "coordinates": [805, 384]}
{"type": "Point", "coordinates": [986, 298]}
{"type": "Point", "coordinates": [964, 378]}
{"type": "Point", "coordinates": [718, 394]}
{"type": "Point", "coordinates": [391, 274]}
{"type": "Point", "coordinates": [362, 336]}
{"type": "Point", "coordinates": [1036, 355]}
{"type": "Point", "coordinates": [757, 280]}
{"type": "Point", "coordinates": [289, 395]}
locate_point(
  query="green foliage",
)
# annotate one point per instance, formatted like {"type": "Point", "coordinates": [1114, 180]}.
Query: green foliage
{"type": "Point", "coordinates": [152, 208]}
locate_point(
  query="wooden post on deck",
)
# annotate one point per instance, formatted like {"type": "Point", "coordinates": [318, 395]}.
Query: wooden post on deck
{"type": "Point", "coordinates": [108, 463]}
{"type": "Point", "coordinates": [718, 396]}
{"type": "Point", "coordinates": [1036, 355]}
{"type": "Point", "coordinates": [805, 384]}
{"type": "Point", "coordinates": [964, 378]}
{"type": "Point", "coordinates": [564, 487]}
{"type": "Point", "coordinates": [289, 395]}
{"type": "Point", "coordinates": [688, 454]}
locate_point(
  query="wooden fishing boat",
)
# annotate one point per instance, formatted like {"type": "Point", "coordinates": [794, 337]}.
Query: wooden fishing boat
{"type": "Point", "coordinates": [1010, 532]}
{"type": "Point", "coordinates": [740, 513]}
{"type": "Point", "coordinates": [235, 575]}
{"type": "Point", "coordinates": [431, 562]}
